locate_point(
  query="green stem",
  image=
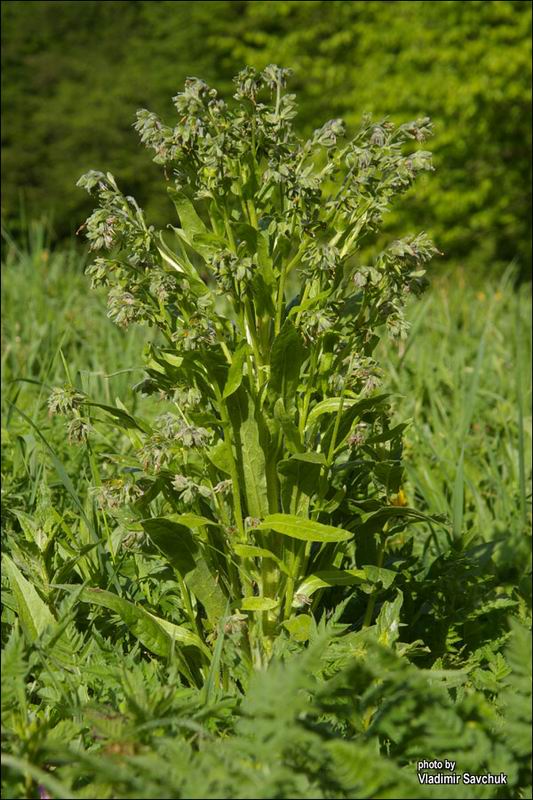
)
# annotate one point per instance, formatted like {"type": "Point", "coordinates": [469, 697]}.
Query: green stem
{"type": "Point", "coordinates": [308, 392]}
{"type": "Point", "coordinates": [186, 598]}
{"type": "Point", "coordinates": [335, 433]}
{"type": "Point", "coordinates": [280, 302]}
{"type": "Point", "coordinates": [373, 597]}
{"type": "Point", "coordinates": [293, 577]}
{"type": "Point", "coordinates": [252, 213]}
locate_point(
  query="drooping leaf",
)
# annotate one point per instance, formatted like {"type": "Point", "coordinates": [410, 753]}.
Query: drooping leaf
{"type": "Point", "coordinates": [329, 406]}
{"type": "Point", "coordinates": [123, 419]}
{"type": "Point", "coordinates": [328, 578]}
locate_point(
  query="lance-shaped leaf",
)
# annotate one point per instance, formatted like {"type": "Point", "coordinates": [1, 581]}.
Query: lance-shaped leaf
{"type": "Point", "coordinates": [181, 263]}
{"type": "Point", "coordinates": [299, 476]}
{"type": "Point", "coordinates": [34, 614]}
{"type": "Point", "coordinates": [183, 551]}
{"type": "Point", "coordinates": [192, 520]}
{"type": "Point", "coordinates": [305, 529]}
{"type": "Point", "coordinates": [287, 356]}
{"type": "Point", "coordinates": [332, 404]}
{"type": "Point", "coordinates": [249, 438]}
{"type": "Point", "coordinates": [154, 633]}
{"type": "Point", "coordinates": [122, 418]}
{"type": "Point", "coordinates": [191, 223]}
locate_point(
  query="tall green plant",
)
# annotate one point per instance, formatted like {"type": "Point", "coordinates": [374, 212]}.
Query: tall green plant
{"type": "Point", "coordinates": [274, 472]}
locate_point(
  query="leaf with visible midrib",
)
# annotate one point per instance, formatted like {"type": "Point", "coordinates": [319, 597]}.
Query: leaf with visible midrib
{"type": "Point", "coordinates": [34, 614]}
{"type": "Point", "coordinates": [305, 529]}
{"type": "Point", "coordinates": [191, 223]}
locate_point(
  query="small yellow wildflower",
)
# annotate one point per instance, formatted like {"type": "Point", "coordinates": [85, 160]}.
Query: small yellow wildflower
{"type": "Point", "coordinates": [399, 499]}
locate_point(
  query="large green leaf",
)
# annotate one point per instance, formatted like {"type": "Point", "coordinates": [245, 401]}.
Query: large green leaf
{"type": "Point", "coordinates": [184, 553]}
{"type": "Point", "coordinates": [305, 529]}
{"type": "Point", "coordinates": [207, 244]}
{"type": "Point", "coordinates": [34, 614]}
{"type": "Point", "coordinates": [300, 627]}
{"type": "Point", "coordinates": [249, 441]}
{"type": "Point", "coordinates": [299, 476]}
{"type": "Point", "coordinates": [219, 457]}
{"type": "Point", "coordinates": [287, 356]}
{"type": "Point", "coordinates": [191, 223]}
{"type": "Point", "coordinates": [154, 633]}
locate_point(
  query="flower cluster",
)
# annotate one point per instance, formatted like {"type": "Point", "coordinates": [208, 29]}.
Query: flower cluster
{"type": "Point", "coordinates": [170, 435]}
{"type": "Point", "coordinates": [116, 493]}
{"type": "Point", "coordinates": [189, 490]}
{"type": "Point", "coordinates": [65, 400]}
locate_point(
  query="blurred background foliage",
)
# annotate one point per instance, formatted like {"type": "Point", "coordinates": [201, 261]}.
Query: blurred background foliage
{"type": "Point", "coordinates": [74, 74]}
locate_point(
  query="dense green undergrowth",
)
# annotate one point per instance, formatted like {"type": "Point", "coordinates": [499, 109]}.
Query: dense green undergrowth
{"type": "Point", "coordinates": [88, 712]}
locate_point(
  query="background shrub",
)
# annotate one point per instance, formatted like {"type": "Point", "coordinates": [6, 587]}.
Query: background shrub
{"type": "Point", "coordinates": [74, 74]}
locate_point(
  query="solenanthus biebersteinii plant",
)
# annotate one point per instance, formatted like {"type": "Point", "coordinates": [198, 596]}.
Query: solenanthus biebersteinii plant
{"type": "Point", "coordinates": [276, 474]}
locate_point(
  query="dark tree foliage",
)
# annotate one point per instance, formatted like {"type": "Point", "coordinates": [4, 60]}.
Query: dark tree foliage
{"type": "Point", "coordinates": [75, 72]}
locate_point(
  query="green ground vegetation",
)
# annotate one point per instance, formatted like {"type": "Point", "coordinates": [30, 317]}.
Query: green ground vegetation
{"type": "Point", "coordinates": [88, 711]}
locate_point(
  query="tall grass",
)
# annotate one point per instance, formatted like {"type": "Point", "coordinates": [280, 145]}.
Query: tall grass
{"type": "Point", "coordinates": [464, 379]}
